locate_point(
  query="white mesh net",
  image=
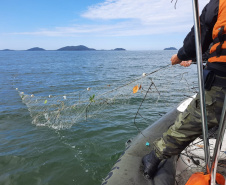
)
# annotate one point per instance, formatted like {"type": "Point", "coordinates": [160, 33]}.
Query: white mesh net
{"type": "Point", "coordinates": [62, 111]}
{"type": "Point", "coordinates": [192, 159]}
{"type": "Point", "coordinates": [155, 91]}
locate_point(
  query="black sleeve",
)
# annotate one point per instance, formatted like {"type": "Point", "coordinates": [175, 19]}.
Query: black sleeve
{"type": "Point", "coordinates": [208, 19]}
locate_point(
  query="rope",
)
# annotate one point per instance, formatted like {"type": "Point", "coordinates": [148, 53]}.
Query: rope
{"type": "Point", "coordinates": [148, 74]}
{"type": "Point", "coordinates": [64, 111]}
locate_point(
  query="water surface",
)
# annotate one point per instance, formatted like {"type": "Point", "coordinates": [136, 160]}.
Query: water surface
{"type": "Point", "coordinates": [83, 153]}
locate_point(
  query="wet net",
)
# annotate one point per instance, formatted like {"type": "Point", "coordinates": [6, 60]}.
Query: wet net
{"type": "Point", "coordinates": [152, 91]}
{"type": "Point", "coordinates": [192, 159]}
{"type": "Point", "coordinates": [143, 95]}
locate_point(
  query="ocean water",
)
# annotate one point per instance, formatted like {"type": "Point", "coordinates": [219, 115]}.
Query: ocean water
{"type": "Point", "coordinates": [83, 152]}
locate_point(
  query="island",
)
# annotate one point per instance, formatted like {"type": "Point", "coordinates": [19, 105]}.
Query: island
{"type": "Point", "coordinates": [170, 48]}
{"type": "Point", "coordinates": [119, 49]}
{"type": "Point", "coordinates": [68, 48]}
{"type": "Point", "coordinates": [76, 48]}
{"type": "Point", "coordinates": [36, 49]}
{"type": "Point", "coordinates": [6, 50]}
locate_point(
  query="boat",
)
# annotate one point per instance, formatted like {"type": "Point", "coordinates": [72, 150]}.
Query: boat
{"type": "Point", "coordinates": [128, 169]}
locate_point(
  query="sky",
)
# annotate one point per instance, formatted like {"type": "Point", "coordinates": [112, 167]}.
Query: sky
{"type": "Point", "coordinates": [99, 24]}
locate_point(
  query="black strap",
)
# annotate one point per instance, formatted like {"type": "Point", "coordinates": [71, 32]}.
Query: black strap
{"type": "Point", "coordinates": [220, 36]}
{"type": "Point", "coordinates": [214, 54]}
{"type": "Point", "coordinates": [216, 65]}
{"type": "Point", "coordinates": [216, 40]}
{"type": "Point", "coordinates": [219, 68]}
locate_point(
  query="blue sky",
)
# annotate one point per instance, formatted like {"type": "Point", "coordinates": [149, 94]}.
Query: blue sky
{"type": "Point", "coordinates": [99, 24]}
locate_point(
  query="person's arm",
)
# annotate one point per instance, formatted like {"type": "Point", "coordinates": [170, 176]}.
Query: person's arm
{"type": "Point", "coordinates": [175, 60]}
{"type": "Point", "coordinates": [208, 19]}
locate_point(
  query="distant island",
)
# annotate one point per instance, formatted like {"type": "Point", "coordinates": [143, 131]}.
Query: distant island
{"type": "Point", "coordinates": [6, 50]}
{"type": "Point", "coordinates": [76, 48]}
{"type": "Point", "coordinates": [170, 48]}
{"type": "Point", "coordinates": [119, 49]}
{"type": "Point", "coordinates": [36, 49]}
{"type": "Point", "coordinates": [69, 48]}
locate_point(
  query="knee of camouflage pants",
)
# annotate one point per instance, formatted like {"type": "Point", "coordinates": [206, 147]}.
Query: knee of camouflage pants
{"type": "Point", "coordinates": [188, 125]}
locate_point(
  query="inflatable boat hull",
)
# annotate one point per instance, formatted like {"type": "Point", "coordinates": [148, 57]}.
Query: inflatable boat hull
{"type": "Point", "coordinates": [128, 170]}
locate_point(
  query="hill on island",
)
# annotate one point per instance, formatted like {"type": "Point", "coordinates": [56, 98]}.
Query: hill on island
{"type": "Point", "coordinates": [36, 49]}
{"type": "Point", "coordinates": [76, 48]}
{"type": "Point", "coordinates": [6, 50]}
{"type": "Point", "coordinates": [170, 48]}
{"type": "Point", "coordinates": [69, 48]}
{"type": "Point", "coordinates": [119, 49]}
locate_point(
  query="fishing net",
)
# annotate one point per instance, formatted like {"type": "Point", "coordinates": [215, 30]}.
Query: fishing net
{"type": "Point", "coordinates": [192, 159]}
{"type": "Point", "coordinates": [142, 97]}
{"type": "Point", "coordinates": [99, 102]}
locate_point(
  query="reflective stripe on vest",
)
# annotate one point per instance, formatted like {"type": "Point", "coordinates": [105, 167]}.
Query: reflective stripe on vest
{"type": "Point", "coordinates": [218, 50]}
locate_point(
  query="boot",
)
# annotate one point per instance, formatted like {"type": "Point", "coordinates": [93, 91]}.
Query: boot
{"type": "Point", "coordinates": [150, 162]}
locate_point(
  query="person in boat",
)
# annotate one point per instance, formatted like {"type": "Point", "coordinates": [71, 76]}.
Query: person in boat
{"type": "Point", "coordinates": [188, 126]}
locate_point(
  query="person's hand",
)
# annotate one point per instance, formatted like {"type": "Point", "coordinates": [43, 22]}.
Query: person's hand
{"type": "Point", "coordinates": [175, 60]}
{"type": "Point", "coordinates": [186, 63]}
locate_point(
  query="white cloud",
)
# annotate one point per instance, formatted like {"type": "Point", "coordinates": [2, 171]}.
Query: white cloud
{"type": "Point", "coordinates": [132, 18]}
{"type": "Point", "coordinates": [74, 30]}
{"type": "Point", "coordinates": [147, 11]}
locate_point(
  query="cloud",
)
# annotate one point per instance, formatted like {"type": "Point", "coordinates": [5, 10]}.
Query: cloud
{"type": "Point", "coordinates": [130, 18]}
{"type": "Point", "coordinates": [146, 11]}
{"type": "Point", "coordinates": [75, 30]}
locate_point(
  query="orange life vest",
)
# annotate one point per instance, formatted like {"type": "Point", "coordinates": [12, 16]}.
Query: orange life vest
{"type": "Point", "coordinates": [218, 50]}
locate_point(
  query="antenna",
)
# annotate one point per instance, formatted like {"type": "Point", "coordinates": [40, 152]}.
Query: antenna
{"type": "Point", "coordinates": [201, 83]}
{"type": "Point", "coordinates": [218, 144]}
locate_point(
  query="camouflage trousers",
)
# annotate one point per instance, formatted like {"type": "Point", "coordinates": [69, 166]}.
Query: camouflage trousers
{"type": "Point", "coordinates": [188, 125]}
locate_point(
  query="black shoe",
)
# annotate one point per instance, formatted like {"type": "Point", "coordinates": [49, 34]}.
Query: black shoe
{"type": "Point", "coordinates": [150, 162]}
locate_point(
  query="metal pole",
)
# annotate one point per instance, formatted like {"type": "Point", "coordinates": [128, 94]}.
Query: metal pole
{"type": "Point", "coordinates": [201, 83]}
{"type": "Point", "coordinates": [221, 131]}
